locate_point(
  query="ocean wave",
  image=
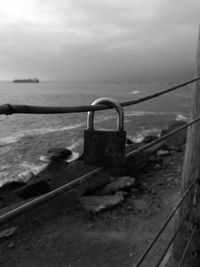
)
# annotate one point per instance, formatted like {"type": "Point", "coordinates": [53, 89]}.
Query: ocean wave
{"type": "Point", "coordinates": [42, 131]}
{"type": "Point", "coordinates": [142, 113]}
{"type": "Point", "coordinates": [131, 114]}
{"type": "Point", "coordinates": [181, 117]}
{"type": "Point", "coordinates": [8, 140]}
{"type": "Point", "coordinates": [151, 131]}
{"type": "Point", "coordinates": [31, 167]}
{"type": "Point", "coordinates": [5, 167]}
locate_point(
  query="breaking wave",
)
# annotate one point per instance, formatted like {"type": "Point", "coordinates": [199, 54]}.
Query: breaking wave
{"type": "Point", "coordinates": [181, 117]}
{"type": "Point", "coordinates": [42, 131]}
{"type": "Point", "coordinates": [16, 137]}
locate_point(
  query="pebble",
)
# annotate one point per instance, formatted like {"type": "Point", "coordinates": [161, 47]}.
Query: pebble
{"type": "Point", "coordinates": [119, 183]}
{"type": "Point", "coordinates": [162, 152]}
{"type": "Point", "coordinates": [11, 245]}
{"type": "Point", "coordinates": [157, 167]}
{"type": "Point", "coordinates": [169, 179]}
{"type": "Point", "coordinates": [94, 204]}
{"type": "Point", "coordinates": [8, 232]}
{"type": "Point", "coordinates": [129, 207]}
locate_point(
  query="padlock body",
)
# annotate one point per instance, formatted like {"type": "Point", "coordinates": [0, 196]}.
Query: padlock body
{"type": "Point", "coordinates": [104, 148]}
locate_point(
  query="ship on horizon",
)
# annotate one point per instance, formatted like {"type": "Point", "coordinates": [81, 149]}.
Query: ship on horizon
{"type": "Point", "coordinates": [29, 80]}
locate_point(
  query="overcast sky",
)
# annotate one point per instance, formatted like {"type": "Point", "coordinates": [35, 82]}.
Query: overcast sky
{"type": "Point", "coordinates": [129, 40]}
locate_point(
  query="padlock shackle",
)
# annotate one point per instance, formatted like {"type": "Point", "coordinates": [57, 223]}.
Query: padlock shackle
{"type": "Point", "coordinates": [110, 102]}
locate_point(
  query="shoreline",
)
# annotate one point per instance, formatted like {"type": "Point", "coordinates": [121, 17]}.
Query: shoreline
{"type": "Point", "coordinates": [25, 154]}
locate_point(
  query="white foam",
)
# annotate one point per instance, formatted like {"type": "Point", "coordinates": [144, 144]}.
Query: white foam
{"type": "Point", "coordinates": [151, 131]}
{"type": "Point", "coordinates": [5, 167]}
{"type": "Point", "coordinates": [134, 92]}
{"type": "Point", "coordinates": [142, 113]}
{"type": "Point", "coordinates": [42, 131]}
{"type": "Point", "coordinates": [24, 176]}
{"type": "Point", "coordinates": [140, 137]}
{"type": "Point", "coordinates": [130, 114]}
{"type": "Point", "coordinates": [73, 157]}
{"type": "Point", "coordinates": [31, 167]}
{"type": "Point", "coordinates": [181, 117]}
{"type": "Point", "coordinates": [137, 138]}
{"type": "Point", "coordinates": [44, 158]}
{"type": "Point", "coordinates": [75, 144]}
{"type": "Point", "coordinates": [8, 140]}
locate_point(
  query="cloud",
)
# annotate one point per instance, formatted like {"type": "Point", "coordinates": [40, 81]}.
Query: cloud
{"type": "Point", "coordinates": [108, 39]}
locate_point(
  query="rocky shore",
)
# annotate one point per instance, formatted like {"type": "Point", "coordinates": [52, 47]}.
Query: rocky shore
{"type": "Point", "coordinates": [119, 210]}
{"type": "Point", "coordinates": [59, 172]}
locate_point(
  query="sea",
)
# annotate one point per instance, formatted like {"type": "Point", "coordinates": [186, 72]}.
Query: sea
{"type": "Point", "coordinates": [25, 139]}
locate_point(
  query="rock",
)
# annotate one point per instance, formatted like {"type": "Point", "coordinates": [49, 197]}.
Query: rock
{"type": "Point", "coordinates": [162, 153]}
{"type": "Point", "coordinates": [77, 169]}
{"type": "Point", "coordinates": [117, 184]}
{"type": "Point", "coordinates": [180, 149]}
{"type": "Point", "coordinates": [130, 207]}
{"type": "Point", "coordinates": [26, 176]}
{"type": "Point", "coordinates": [176, 124]}
{"type": "Point", "coordinates": [157, 167]}
{"type": "Point", "coordinates": [8, 197]}
{"type": "Point", "coordinates": [8, 232]}
{"type": "Point", "coordinates": [132, 147]}
{"type": "Point", "coordinates": [11, 186]}
{"type": "Point", "coordinates": [177, 139]}
{"type": "Point", "coordinates": [138, 164]}
{"type": "Point", "coordinates": [58, 173]}
{"type": "Point", "coordinates": [142, 161]}
{"type": "Point", "coordinates": [129, 141]}
{"type": "Point", "coordinates": [34, 189]}
{"type": "Point", "coordinates": [149, 139]}
{"type": "Point", "coordinates": [170, 179]}
{"type": "Point", "coordinates": [8, 194]}
{"type": "Point", "coordinates": [59, 153]}
{"type": "Point", "coordinates": [94, 204]}
{"type": "Point", "coordinates": [155, 159]}
{"type": "Point", "coordinates": [11, 245]}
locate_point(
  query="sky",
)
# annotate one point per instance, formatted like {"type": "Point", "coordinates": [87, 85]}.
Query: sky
{"type": "Point", "coordinates": [99, 40]}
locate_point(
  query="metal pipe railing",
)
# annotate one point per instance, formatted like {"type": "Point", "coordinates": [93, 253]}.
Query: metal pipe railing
{"type": "Point", "coordinates": [162, 228]}
{"type": "Point", "coordinates": [9, 109]}
{"type": "Point", "coordinates": [47, 197]}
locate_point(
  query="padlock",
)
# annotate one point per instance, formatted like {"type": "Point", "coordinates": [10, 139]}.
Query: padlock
{"type": "Point", "coordinates": [105, 147]}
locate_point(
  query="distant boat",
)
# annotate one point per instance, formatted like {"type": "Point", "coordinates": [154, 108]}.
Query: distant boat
{"type": "Point", "coordinates": [30, 80]}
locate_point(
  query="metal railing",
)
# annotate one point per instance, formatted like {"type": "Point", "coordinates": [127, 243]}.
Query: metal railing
{"type": "Point", "coordinates": [165, 224]}
{"type": "Point", "coordinates": [9, 109]}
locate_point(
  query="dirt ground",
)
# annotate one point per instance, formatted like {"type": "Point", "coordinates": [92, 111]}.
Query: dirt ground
{"type": "Point", "coordinates": [114, 237]}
